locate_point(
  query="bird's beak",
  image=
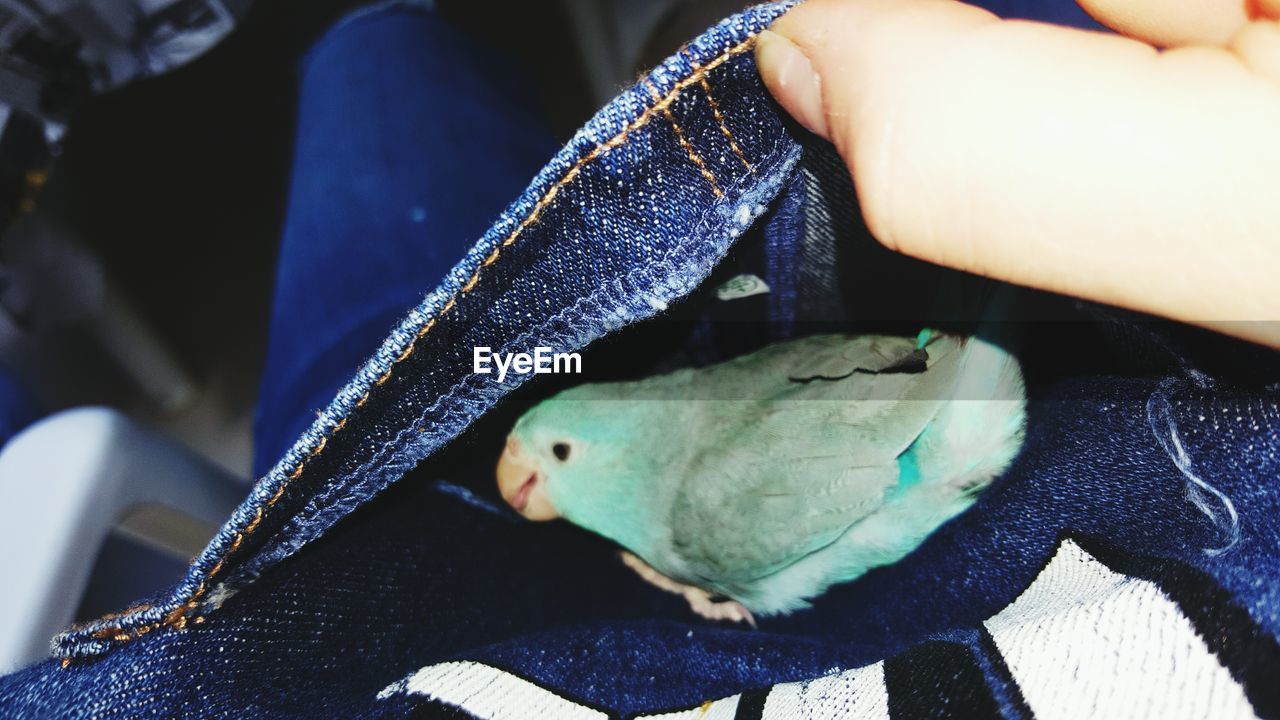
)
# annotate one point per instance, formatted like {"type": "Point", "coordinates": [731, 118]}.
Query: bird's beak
{"type": "Point", "coordinates": [521, 483]}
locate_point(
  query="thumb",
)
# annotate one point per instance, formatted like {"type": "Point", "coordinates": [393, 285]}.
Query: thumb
{"type": "Point", "coordinates": [1073, 161]}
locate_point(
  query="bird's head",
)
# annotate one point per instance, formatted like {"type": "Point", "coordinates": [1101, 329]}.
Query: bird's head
{"type": "Point", "coordinates": [546, 451]}
{"type": "Point", "coordinates": [526, 467]}
{"type": "Point", "coordinates": [576, 455]}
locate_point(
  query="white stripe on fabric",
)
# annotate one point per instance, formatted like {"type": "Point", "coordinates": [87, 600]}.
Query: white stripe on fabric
{"type": "Point", "coordinates": [1085, 641]}
{"type": "Point", "coordinates": [722, 709]}
{"type": "Point", "coordinates": [855, 694]}
{"type": "Point", "coordinates": [489, 693]}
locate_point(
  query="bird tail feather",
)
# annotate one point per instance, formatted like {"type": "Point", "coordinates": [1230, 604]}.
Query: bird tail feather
{"type": "Point", "coordinates": [977, 433]}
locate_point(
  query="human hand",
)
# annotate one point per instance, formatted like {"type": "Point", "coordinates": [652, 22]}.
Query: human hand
{"type": "Point", "coordinates": [1080, 162]}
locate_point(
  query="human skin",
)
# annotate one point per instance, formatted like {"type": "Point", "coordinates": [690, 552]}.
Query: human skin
{"type": "Point", "coordinates": [1140, 169]}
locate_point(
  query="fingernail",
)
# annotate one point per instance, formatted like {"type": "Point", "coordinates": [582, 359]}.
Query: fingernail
{"type": "Point", "coordinates": [790, 76]}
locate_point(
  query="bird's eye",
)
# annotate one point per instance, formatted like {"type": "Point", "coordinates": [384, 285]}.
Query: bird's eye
{"type": "Point", "coordinates": [561, 451]}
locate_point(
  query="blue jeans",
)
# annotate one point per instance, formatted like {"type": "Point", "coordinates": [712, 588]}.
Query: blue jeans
{"type": "Point", "coordinates": [410, 140]}
{"type": "Point", "coordinates": [371, 574]}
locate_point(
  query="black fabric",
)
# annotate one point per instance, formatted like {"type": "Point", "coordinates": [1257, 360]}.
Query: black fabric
{"type": "Point", "coordinates": [1014, 702]}
{"type": "Point", "coordinates": [937, 680]}
{"type": "Point", "coordinates": [751, 705]}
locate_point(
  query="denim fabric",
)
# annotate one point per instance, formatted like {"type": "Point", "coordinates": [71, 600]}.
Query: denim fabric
{"type": "Point", "coordinates": [332, 583]}
{"type": "Point", "coordinates": [620, 223]}
{"type": "Point", "coordinates": [395, 174]}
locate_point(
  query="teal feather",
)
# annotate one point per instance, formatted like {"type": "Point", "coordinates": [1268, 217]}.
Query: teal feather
{"type": "Point", "coordinates": [772, 476]}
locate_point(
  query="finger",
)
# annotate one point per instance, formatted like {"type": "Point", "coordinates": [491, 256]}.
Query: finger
{"type": "Point", "coordinates": [1170, 23]}
{"type": "Point", "coordinates": [1258, 46]}
{"type": "Point", "coordinates": [1067, 160]}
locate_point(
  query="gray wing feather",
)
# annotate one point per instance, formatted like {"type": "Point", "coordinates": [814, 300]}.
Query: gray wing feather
{"type": "Point", "coordinates": [747, 517]}
{"type": "Point", "coordinates": [793, 472]}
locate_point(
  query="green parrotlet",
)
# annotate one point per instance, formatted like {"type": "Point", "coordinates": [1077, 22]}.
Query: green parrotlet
{"type": "Point", "coordinates": [753, 485]}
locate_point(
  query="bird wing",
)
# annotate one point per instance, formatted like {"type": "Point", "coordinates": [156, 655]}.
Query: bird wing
{"type": "Point", "coordinates": [749, 513]}
{"type": "Point", "coordinates": [791, 473]}
{"type": "Point", "coordinates": [835, 357]}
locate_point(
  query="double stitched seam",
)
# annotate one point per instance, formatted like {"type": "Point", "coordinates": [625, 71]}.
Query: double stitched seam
{"type": "Point", "coordinates": [715, 110]}
{"type": "Point", "coordinates": [178, 617]}
{"type": "Point", "coordinates": [451, 398]}
{"type": "Point", "coordinates": [684, 141]}
{"type": "Point", "coordinates": [113, 615]}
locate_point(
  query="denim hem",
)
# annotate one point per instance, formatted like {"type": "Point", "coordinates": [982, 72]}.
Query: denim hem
{"type": "Point", "coordinates": [620, 123]}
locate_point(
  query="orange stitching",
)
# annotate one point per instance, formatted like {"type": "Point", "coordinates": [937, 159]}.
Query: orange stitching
{"type": "Point", "coordinates": [257, 518]}
{"type": "Point", "coordinates": [177, 618]}
{"type": "Point", "coordinates": [117, 614]}
{"type": "Point", "coordinates": [684, 143]}
{"type": "Point", "coordinates": [724, 127]}
{"type": "Point", "coordinates": [715, 110]}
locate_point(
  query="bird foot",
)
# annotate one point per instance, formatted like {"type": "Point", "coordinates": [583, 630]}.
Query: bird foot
{"type": "Point", "coordinates": [701, 602]}
{"type": "Point", "coordinates": [704, 604]}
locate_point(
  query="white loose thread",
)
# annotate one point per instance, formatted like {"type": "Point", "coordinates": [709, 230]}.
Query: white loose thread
{"type": "Point", "coordinates": [1200, 493]}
